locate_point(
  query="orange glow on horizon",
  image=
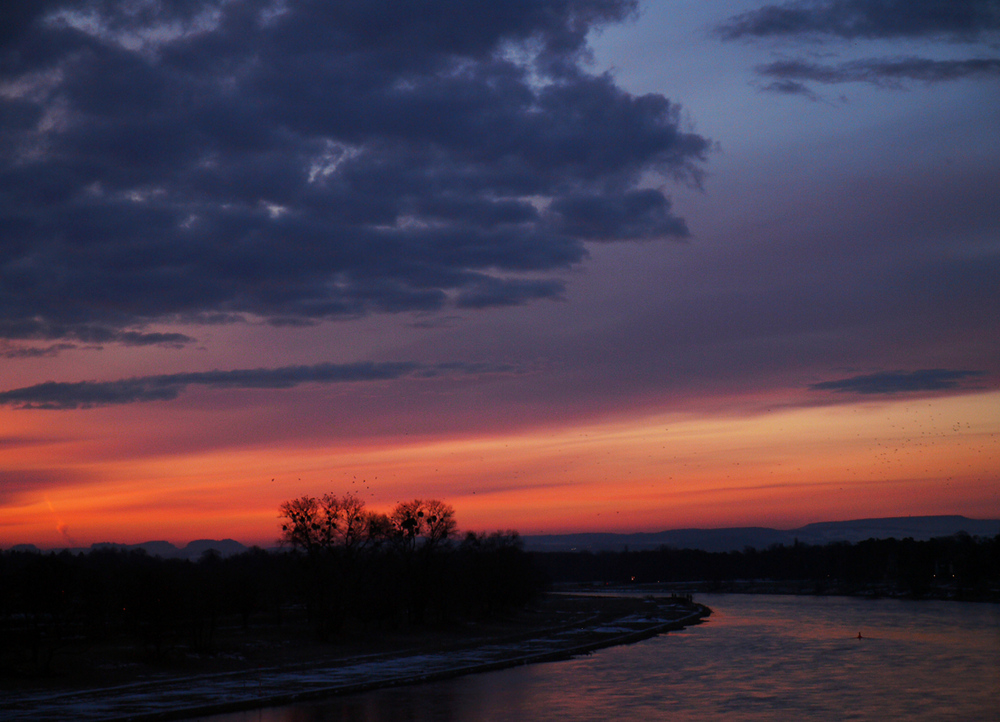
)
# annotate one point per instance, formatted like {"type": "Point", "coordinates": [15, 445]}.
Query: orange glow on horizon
{"type": "Point", "coordinates": [781, 469]}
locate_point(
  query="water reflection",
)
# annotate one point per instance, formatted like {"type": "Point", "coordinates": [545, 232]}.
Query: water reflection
{"type": "Point", "coordinates": [758, 658]}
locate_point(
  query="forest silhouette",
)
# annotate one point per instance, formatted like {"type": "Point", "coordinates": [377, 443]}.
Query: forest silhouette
{"type": "Point", "coordinates": [346, 572]}
{"type": "Point", "coordinates": [342, 569]}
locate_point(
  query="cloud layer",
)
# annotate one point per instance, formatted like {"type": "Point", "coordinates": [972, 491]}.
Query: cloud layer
{"type": "Point", "coordinates": [960, 20]}
{"type": "Point", "coordinates": [165, 387]}
{"type": "Point", "coordinates": [951, 21]}
{"type": "Point", "coordinates": [788, 74]}
{"type": "Point", "coordinates": [305, 160]}
{"type": "Point", "coordinates": [894, 382]}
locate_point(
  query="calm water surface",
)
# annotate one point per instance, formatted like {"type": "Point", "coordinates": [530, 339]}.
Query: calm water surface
{"type": "Point", "coordinates": [756, 658]}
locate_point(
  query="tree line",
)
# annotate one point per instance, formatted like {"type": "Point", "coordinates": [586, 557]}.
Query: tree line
{"type": "Point", "coordinates": [342, 569]}
{"type": "Point", "coordinates": [959, 566]}
{"type": "Point", "coordinates": [408, 567]}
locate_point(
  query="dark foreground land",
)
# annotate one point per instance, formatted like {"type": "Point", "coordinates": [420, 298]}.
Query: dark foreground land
{"type": "Point", "coordinates": [257, 668]}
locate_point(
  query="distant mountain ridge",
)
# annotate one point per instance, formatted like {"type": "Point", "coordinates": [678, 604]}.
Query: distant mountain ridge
{"type": "Point", "coordinates": [193, 550]}
{"type": "Point", "coordinates": [712, 540]}
{"type": "Point", "coordinates": [737, 538]}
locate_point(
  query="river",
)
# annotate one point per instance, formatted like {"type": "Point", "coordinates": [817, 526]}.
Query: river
{"type": "Point", "coordinates": [757, 658]}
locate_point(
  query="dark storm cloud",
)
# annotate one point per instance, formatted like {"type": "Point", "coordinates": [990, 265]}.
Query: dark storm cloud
{"type": "Point", "coordinates": [165, 387]}
{"type": "Point", "coordinates": [886, 73]}
{"type": "Point", "coordinates": [637, 214]}
{"type": "Point", "coordinates": [168, 161]}
{"type": "Point", "coordinates": [959, 20]}
{"type": "Point", "coordinates": [894, 382]}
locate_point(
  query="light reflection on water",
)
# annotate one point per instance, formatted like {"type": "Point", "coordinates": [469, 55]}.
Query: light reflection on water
{"type": "Point", "coordinates": [757, 658]}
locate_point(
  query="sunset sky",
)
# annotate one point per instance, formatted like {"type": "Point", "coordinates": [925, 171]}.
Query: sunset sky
{"type": "Point", "coordinates": [568, 265]}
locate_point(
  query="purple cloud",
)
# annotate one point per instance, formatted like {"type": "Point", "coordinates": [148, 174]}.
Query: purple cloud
{"type": "Point", "coordinates": [307, 160]}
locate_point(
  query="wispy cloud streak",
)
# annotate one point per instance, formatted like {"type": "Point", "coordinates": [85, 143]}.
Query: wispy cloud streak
{"type": "Point", "coordinates": [949, 21]}
{"type": "Point", "coordinates": [87, 394]}
{"type": "Point", "coordinates": [957, 20]}
{"type": "Point", "coordinates": [884, 73]}
{"type": "Point", "coordinates": [894, 382]}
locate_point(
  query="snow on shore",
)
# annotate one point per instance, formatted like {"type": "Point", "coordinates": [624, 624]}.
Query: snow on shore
{"type": "Point", "coordinates": [180, 697]}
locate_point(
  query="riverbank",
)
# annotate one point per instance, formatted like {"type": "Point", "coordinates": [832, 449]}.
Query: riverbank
{"type": "Point", "coordinates": [247, 676]}
{"type": "Point", "coordinates": [813, 588]}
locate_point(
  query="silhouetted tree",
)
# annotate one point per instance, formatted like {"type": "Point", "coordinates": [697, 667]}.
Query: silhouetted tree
{"type": "Point", "coordinates": [331, 522]}
{"type": "Point", "coordinates": [335, 532]}
{"type": "Point", "coordinates": [427, 524]}
{"type": "Point", "coordinates": [420, 534]}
